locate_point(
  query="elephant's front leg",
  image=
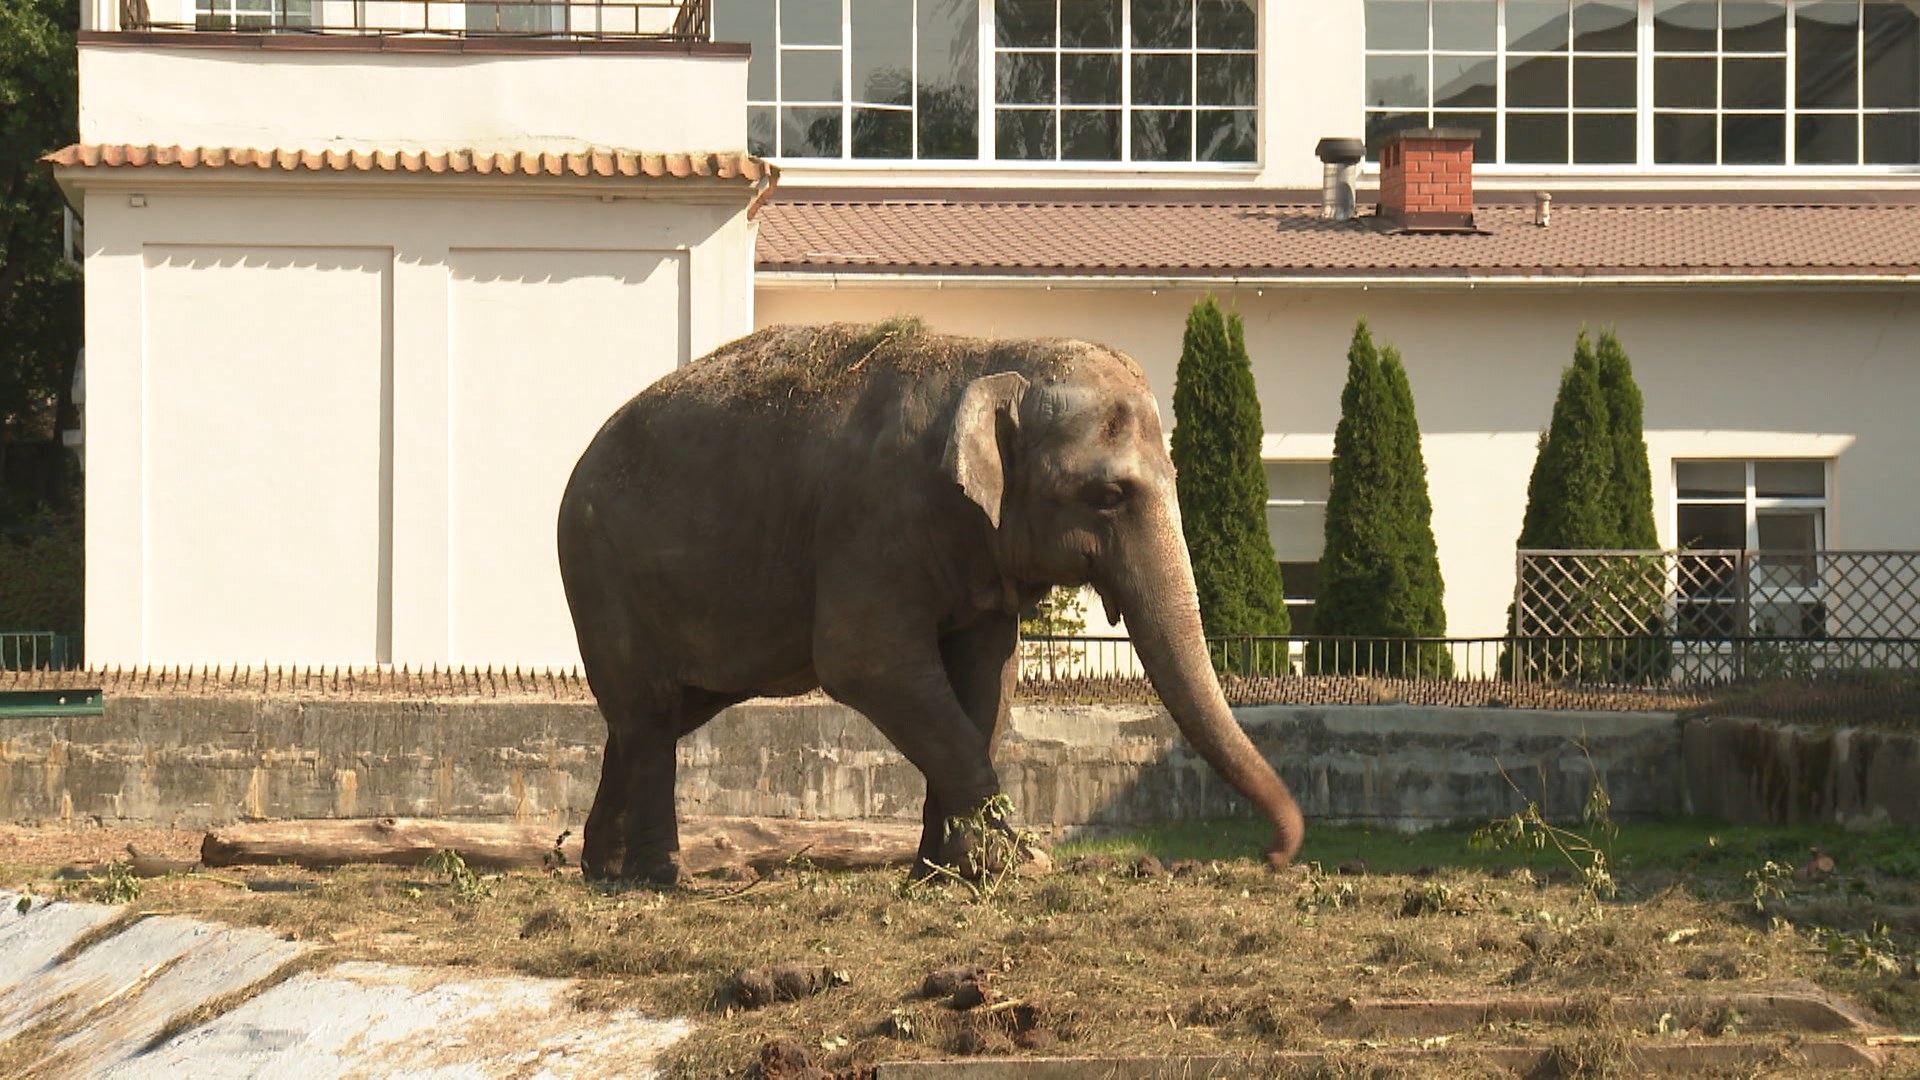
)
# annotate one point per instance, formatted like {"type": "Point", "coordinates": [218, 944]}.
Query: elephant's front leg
{"type": "Point", "coordinates": [982, 664]}
{"type": "Point", "coordinates": [890, 666]}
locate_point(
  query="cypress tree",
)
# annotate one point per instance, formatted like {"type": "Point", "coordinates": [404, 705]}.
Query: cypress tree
{"type": "Point", "coordinates": [1632, 488]}
{"type": "Point", "coordinates": [1379, 570]}
{"type": "Point", "coordinates": [1222, 485]}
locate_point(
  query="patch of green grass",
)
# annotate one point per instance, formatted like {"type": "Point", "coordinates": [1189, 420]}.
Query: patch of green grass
{"type": "Point", "coordinates": [1675, 845]}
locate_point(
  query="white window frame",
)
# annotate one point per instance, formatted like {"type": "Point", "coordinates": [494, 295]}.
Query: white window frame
{"type": "Point", "coordinates": [1762, 592]}
{"type": "Point", "coordinates": [1645, 108]}
{"type": "Point", "coordinates": [1294, 603]}
{"type": "Point", "coordinates": [267, 15]}
{"type": "Point", "coordinates": [987, 52]}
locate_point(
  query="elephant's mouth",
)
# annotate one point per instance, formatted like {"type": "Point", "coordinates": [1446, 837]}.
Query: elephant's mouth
{"type": "Point", "coordinates": [1107, 602]}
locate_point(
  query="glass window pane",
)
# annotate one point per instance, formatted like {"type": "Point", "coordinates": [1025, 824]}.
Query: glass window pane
{"type": "Point", "coordinates": [1753, 140]}
{"type": "Point", "coordinates": [1396, 24]}
{"type": "Point", "coordinates": [1753, 26]}
{"type": "Point", "coordinates": [1090, 78]}
{"type": "Point", "coordinates": [1605, 83]}
{"type": "Point", "coordinates": [1537, 140]}
{"type": "Point", "coordinates": [1685, 26]}
{"type": "Point", "coordinates": [1162, 135]}
{"type": "Point", "coordinates": [1826, 139]}
{"type": "Point", "coordinates": [1826, 55]}
{"type": "Point", "coordinates": [1309, 481]}
{"type": "Point", "coordinates": [1892, 76]}
{"type": "Point", "coordinates": [1464, 25]}
{"type": "Point", "coordinates": [1605, 26]}
{"type": "Point", "coordinates": [1299, 533]}
{"type": "Point", "coordinates": [1537, 25]}
{"type": "Point", "coordinates": [1463, 82]}
{"type": "Point", "coordinates": [949, 72]}
{"type": "Point", "coordinates": [1790, 479]}
{"type": "Point", "coordinates": [810, 74]}
{"type": "Point", "coordinates": [1090, 24]}
{"type": "Point", "coordinates": [1710, 479]}
{"type": "Point", "coordinates": [1023, 78]}
{"type": "Point", "coordinates": [1685, 139]}
{"type": "Point", "coordinates": [1788, 530]}
{"type": "Point", "coordinates": [810, 22]}
{"type": "Point", "coordinates": [810, 132]}
{"type": "Point", "coordinates": [882, 133]}
{"type": "Point", "coordinates": [1226, 24]}
{"type": "Point", "coordinates": [1380, 125]}
{"type": "Point", "coordinates": [1224, 80]}
{"type": "Point", "coordinates": [1685, 83]}
{"type": "Point", "coordinates": [1486, 147]}
{"type": "Point", "coordinates": [1162, 24]}
{"type": "Point", "coordinates": [1397, 81]}
{"type": "Point", "coordinates": [752, 22]}
{"type": "Point", "coordinates": [1090, 135]}
{"type": "Point", "coordinates": [1537, 82]}
{"type": "Point", "coordinates": [1891, 139]}
{"type": "Point", "coordinates": [1712, 526]}
{"type": "Point", "coordinates": [1162, 80]}
{"type": "Point", "coordinates": [1302, 581]}
{"type": "Point", "coordinates": [1023, 134]}
{"type": "Point", "coordinates": [1753, 84]}
{"type": "Point", "coordinates": [882, 53]}
{"type": "Point", "coordinates": [1603, 139]}
{"type": "Point", "coordinates": [1227, 134]}
{"type": "Point", "coordinates": [760, 131]}
{"type": "Point", "coordinates": [1023, 23]}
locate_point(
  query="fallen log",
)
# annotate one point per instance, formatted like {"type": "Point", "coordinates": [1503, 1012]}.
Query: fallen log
{"type": "Point", "coordinates": [707, 844]}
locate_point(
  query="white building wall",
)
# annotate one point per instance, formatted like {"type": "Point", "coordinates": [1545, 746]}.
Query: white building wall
{"type": "Point", "coordinates": [1725, 373]}
{"type": "Point", "coordinates": [331, 426]}
{"type": "Point", "coordinates": [356, 99]}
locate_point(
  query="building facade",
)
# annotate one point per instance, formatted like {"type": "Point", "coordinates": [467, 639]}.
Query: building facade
{"type": "Point", "coordinates": [363, 279]}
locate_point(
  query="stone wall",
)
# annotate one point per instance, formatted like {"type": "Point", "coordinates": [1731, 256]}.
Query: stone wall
{"type": "Point", "coordinates": [195, 761]}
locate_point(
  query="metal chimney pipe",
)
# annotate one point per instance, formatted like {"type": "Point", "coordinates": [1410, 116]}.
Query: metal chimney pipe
{"type": "Point", "coordinates": [1340, 160]}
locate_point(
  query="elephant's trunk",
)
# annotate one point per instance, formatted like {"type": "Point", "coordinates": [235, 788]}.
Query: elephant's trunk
{"type": "Point", "coordinates": [1156, 596]}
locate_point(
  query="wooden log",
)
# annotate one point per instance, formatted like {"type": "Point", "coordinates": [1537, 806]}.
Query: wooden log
{"type": "Point", "coordinates": [707, 844]}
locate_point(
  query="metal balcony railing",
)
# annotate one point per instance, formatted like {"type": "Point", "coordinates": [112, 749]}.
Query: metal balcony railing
{"type": "Point", "coordinates": [564, 20]}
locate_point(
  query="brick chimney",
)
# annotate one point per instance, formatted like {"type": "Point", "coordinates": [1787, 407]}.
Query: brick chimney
{"type": "Point", "coordinates": [1426, 179]}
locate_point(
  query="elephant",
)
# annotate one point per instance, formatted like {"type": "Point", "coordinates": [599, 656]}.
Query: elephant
{"type": "Point", "coordinates": [866, 510]}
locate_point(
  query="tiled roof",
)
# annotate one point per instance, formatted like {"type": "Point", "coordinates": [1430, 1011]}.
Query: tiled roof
{"type": "Point", "coordinates": [974, 234]}
{"type": "Point", "coordinates": [597, 163]}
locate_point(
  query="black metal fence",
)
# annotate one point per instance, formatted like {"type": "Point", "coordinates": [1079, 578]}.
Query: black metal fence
{"type": "Point", "coordinates": [655, 20]}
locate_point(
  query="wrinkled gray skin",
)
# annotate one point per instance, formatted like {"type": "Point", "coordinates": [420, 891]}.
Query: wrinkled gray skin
{"type": "Point", "coordinates": [866, 510]}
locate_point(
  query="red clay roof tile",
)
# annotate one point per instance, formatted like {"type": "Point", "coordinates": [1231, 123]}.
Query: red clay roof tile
{"type": "Point", "coordinates": [627, 163]}
{"type": "Point", "coordinates": [979, 234]}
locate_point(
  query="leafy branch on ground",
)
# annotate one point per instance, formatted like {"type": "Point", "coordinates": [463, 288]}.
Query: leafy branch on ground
{"type": "Point", "coordinates": [1590, 853]}
{"type": "Point", "coordinates": [466, 884]}
{"type": "Point", "coordinates": [993, 856]}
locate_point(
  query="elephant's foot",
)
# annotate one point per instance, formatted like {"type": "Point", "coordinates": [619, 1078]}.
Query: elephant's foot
{"type": "Point", "coordinates": [976, 847]}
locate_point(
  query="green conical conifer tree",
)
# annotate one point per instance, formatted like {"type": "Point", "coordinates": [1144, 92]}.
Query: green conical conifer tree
{"type": "Point", "coordinates": [1222, 485]}
{"type": "Point", "coordinates": [1379, 570]}
{"type": "Point", "coordinates": [1631, 490]}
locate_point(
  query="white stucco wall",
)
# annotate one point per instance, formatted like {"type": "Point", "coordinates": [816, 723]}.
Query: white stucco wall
{"type": "Point", "coordinates": [331, 423]}
{"type": "Point", "coordinates": [359, 99]}
{"type": "Point", "coordinates": [1725, 373]}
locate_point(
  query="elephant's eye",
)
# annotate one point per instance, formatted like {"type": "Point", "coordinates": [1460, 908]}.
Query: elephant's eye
{"type": "Point", "coordinates": [1106, 495]}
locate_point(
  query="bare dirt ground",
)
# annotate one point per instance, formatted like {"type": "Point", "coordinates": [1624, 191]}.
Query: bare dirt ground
{"type": "Point", "coordinates": [1115, 955]}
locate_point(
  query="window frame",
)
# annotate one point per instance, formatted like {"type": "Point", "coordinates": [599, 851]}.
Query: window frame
{"type": "Point", "coordinates": [987, 52]}
{"type": "Point", "coordinates": [1646, 110]}
{"type": "Point", "coordinates": [1759, 591]}
{"type": "Point", "coordinates": [1295, 602]}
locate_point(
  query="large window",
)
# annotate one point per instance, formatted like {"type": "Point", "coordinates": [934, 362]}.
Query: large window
{"type": "Point", "coordinates": [1652, 82]}
{"type": "Point", "coordinates": [1297, 526]}
{"type": "Point", "coordinates": [252, 14]}
{"type": "Point", "coordinates": [1060, 80]}
{"type": "Point", "coordinates": [1774, 508]}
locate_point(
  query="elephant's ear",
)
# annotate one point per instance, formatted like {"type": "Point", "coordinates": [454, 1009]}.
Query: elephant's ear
{"type": "Point", "coordinates": [973, 455]}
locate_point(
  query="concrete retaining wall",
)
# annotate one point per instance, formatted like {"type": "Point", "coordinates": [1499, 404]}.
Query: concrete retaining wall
{"type": "Point", "coordinates": [191, 762]}
{"type": "Point", "coordinates": [1752, 771]}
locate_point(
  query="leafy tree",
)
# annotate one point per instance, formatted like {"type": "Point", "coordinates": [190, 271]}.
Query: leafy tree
{"type": "Point", "coordinates": [1379, 571]}
{"type": "Point", "coordinates": [1569, 504]}
{"type": "Point", "coordinates": [1631, 490]}
{"type": "Point", "coordinates": [39, 292]}
{"type": "Point", "coordinates": [1222, 485]}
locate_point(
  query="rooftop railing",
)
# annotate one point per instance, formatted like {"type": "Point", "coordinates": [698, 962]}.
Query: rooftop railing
{"type": "Point", "coordinates": [524, 20]}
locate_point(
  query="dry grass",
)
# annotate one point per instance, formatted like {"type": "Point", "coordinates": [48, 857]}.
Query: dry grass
{"type": "Point", "coordinates": [1219, 959]}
